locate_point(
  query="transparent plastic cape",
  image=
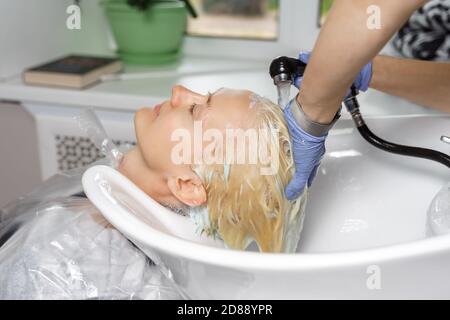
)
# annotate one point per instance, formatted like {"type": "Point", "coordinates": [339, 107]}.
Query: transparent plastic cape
{"type": "Point", "coordinates": [54, 245]}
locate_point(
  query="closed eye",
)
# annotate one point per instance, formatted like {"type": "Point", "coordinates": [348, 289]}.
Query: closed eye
{"type": "Point", "coordinates": [192, 107]}
{"type": "Point", "coordinates": [208, 104]}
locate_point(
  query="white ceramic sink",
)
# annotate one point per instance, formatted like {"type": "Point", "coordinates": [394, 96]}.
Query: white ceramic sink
{"type": "Point", "coordinates": [364, 197]}
{"type": "Point", "coordinates": [365, 233]}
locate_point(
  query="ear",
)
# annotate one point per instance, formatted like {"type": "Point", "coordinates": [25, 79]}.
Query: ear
{"type": "Point", "coordinates": [188, 189]}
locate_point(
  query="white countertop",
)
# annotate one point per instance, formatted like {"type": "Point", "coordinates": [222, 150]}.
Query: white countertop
{"type": "Point", "coordinates": [197, 73]}
{"type": "Point", "coordinates": [147, 91]}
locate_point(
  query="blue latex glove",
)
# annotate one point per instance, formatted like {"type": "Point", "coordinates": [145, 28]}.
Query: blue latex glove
{"type": "Point", "coordinates": [361, 82]}
{"type": "Point", "coordinates": [307, 151]}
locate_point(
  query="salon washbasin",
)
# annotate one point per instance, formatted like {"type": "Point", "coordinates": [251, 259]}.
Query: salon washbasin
{"type": "Point", "coordinates": [365, 234]}
{"type": "Point", "coordinates": [365, 197]}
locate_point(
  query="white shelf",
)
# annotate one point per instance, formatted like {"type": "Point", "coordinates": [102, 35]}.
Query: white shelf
{"type": "Point", "coordinates": [132, 94]}
{"type": "Point", "coordinates": [135, 93]}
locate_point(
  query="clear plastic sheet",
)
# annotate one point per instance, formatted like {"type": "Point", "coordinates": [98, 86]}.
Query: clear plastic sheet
{"type": "Point", "coordinates": [439, 212]}
{"type": "Point", "coordinates": [54, 245]}
{"type": "Point", "coordinates": [91, 125]}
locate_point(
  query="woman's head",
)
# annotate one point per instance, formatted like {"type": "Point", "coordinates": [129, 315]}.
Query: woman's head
{"type": "Point", "coordinates": [242, 192]}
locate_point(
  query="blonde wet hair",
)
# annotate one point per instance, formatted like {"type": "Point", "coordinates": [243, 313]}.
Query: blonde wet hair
{"type": "Point", "coordinates": [244, 205]}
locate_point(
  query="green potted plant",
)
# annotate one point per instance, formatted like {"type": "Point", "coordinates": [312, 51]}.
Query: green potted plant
{"type": "Point", "coordinates": [148, 31]}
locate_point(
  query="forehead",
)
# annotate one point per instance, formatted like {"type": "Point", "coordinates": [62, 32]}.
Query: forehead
{"type": "Point", "coordinates": [230, 108]}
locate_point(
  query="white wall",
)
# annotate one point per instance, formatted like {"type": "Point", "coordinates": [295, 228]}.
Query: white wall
{"type": "Point", "coordinates": [34, 31]}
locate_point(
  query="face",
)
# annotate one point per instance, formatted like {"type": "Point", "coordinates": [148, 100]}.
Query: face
{"type": "Point", "coordinates": [152, 158]}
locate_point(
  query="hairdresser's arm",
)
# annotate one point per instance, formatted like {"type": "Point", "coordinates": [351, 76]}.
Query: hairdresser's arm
{"type": "Point", "coordinates": [344, 46]}
{"type": "Point", "coordinates": [422, 82]}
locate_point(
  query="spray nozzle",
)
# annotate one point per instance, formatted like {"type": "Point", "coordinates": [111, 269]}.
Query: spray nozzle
{"type": "Point", "coordinates": [286, 69]}
{"type": "Point", "coordinates": [283, 70]}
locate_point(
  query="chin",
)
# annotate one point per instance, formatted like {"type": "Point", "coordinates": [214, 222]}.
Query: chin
{"type": "Point", "coordinates": [122, 165]}
{"type": "Point", "coordinates": [144, 116]}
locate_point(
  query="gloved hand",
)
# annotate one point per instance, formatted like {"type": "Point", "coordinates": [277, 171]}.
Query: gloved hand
{"type": "Point", "coordinates": [361, 82]}
{"type": "Point", "coordinates": [307, 151]}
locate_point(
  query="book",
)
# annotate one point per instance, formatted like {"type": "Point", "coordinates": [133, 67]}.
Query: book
{"type": "Point", "coordinates": [72, 71]}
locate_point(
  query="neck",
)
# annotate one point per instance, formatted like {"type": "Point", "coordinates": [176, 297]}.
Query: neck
{"type": "Point", "coordinates": [150, 181]}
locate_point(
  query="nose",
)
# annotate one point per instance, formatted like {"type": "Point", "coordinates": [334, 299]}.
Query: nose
{"type": "Point", "coordinates": [183, 97]}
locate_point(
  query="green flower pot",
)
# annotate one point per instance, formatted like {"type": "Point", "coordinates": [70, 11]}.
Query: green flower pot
{"type": "Point", "coordinates": [153, 36]}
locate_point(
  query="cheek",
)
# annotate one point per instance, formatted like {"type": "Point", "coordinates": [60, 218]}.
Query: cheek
{"type": "Point", "coordinates": [155, 140]}
{"type": "Point", "coordinates": [145, 133]}
{"type": "Point", "coordinates": [143, 119]}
